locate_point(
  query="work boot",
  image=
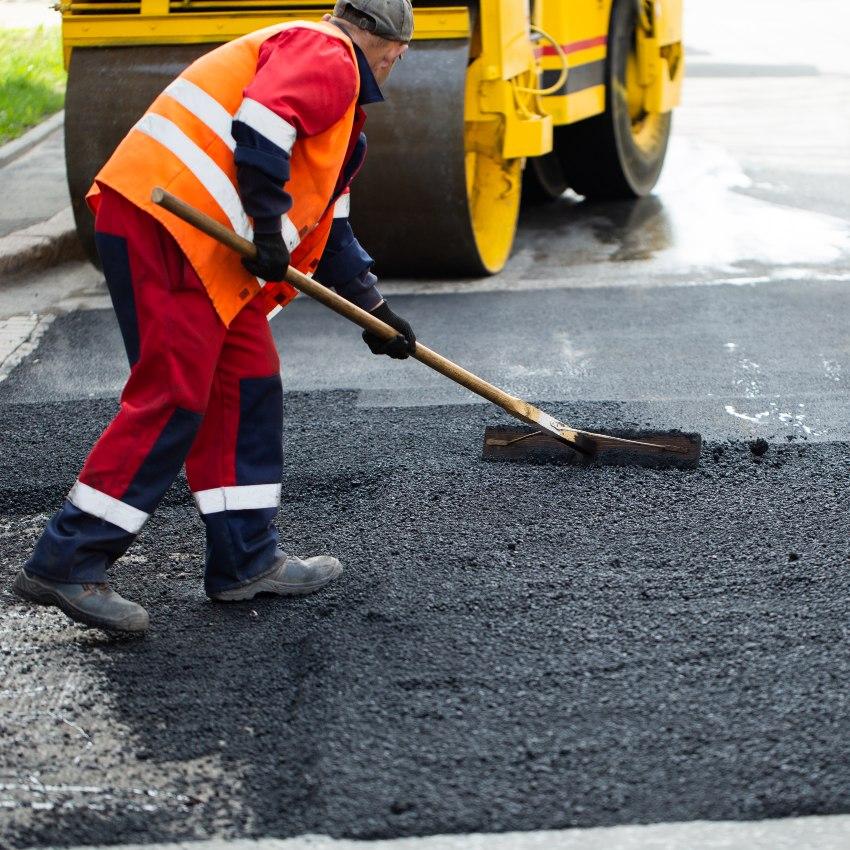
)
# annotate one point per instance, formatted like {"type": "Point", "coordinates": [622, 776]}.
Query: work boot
{"type": "Point", "coordinates": [289, 576]}
{"type": "Point", "coordinates": [93, 604]}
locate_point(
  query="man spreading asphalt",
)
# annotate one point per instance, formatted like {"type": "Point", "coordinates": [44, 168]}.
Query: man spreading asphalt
{"type": "Point", "coordinates": [263, 134]}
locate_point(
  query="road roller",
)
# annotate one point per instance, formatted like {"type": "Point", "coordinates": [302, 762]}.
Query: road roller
{"type": "Point", "coordinates": [496, 99]}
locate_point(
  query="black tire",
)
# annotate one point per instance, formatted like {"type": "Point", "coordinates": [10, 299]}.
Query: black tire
{"type": "Point", "coordinates": [601, 156]}
{"type": "Point", "coordinates": [543, 180]}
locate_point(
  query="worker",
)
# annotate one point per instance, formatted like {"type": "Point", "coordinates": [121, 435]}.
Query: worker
{"type": "Point", "coordinates": [264, 134]}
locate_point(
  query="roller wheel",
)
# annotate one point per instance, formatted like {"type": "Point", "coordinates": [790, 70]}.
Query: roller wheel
{"type": "Point", "coordinates": [109, 89]}
{"type": "Point", "coordinates": [435, 197]}
{"type": "Point", "coordinates": [493, 191]}
{"type": "Point", "coordinates": [618, 154]}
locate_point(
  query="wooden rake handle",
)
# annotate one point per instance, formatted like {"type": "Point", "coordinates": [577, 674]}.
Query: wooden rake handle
{"type": "Point", "coordinates": [515, 406]}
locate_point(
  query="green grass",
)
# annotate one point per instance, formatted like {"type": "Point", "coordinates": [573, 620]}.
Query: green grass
{"type": "Point", "coordinates": [32, 79]}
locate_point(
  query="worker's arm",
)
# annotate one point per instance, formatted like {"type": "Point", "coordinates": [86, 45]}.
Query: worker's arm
{"type": "Point", "coordinates": [305, 82]}
{"type": "Point", "coordinates": [347, 267]}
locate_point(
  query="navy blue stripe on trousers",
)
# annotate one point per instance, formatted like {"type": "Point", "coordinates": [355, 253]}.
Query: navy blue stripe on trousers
{"type": "Point", "coordinates": [78, 547]}
{"type": "Point", "coordinates": [115, 259]}
{"type": "Point", "coordinates": [242, 543]}
{"type": "Point", "coordinates": [163, 462]}
{"type": "Point", "coordinates": [259, 442]}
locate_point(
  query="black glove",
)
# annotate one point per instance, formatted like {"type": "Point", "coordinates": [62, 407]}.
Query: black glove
{"type": "Point", "coordinates": [398, 347]}
{"type": "Point", "coordinates": [272, 257]}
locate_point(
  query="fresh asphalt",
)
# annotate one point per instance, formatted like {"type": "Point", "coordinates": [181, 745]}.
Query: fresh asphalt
{"type": "Point", "coordinates": [511, 647]}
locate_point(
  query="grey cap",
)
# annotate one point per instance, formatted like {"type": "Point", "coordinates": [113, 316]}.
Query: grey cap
{"type": "Point", "coordinates": [390, 19]}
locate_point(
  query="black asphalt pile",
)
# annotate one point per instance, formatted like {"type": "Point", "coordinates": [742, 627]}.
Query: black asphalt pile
{"type": "Point", "coordinates": [511, 647]}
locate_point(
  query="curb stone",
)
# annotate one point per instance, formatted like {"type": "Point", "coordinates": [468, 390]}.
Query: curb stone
{"type": "Point", "coordinates": [47, 242]}
{"type": "Point", "coordinates": [42, 244]}
{"type": "Point", "coordinates": [18, 147]}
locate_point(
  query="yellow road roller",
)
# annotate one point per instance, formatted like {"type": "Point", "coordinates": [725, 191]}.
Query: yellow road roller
{"type": "Point", "coordinates": [495, 99]}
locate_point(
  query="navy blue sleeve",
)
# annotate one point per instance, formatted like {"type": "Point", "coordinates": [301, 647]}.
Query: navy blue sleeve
{"type": "Point", "coordinates": [362, 290]}
{"type": "Point", "coordinates": [345, 267]}
{"type": "Point", "coordinates": [262, 169]}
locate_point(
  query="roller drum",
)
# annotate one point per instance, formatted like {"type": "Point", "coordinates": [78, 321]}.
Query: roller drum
{"type": "Point", "coordinates": [409, 205]}
{"type": "Point", "coordinates": [109, 89]}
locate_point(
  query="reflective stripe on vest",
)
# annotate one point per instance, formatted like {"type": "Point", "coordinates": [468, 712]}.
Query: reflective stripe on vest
{"type": "Point", "coordinates": [266, 123]}
{"type": "Point", "coordinates": [342, 207]}
{"type": "Point", "coordinates": [203, 106]}
{"type": "Point", "coordinates": [214, 180]}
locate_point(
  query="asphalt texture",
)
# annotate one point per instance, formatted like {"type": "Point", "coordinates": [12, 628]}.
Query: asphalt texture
{"type": "Point", "coordinates": [511, 646]}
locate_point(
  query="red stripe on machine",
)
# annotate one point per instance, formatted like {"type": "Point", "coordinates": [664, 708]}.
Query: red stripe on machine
{"type": "Point", "coordinates": [572, 47]}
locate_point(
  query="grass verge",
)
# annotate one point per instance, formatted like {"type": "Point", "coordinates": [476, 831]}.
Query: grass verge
{"type": "Point", "coordinates": [32, 79]}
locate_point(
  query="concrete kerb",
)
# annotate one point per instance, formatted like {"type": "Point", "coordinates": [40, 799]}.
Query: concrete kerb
{"type": "Point", "coordinates": [17, 147]}
{"type": "Point", "coordinates": [44, 244]}
{"type": "Point", "coordinates": [47, 242]}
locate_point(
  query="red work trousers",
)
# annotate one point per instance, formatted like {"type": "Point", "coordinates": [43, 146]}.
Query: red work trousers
{"type": "Point", "coordinates": [199, 393]}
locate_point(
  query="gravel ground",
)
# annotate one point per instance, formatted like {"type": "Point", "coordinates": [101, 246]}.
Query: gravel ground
{"type": "Point", "coordinates": [511, 647]}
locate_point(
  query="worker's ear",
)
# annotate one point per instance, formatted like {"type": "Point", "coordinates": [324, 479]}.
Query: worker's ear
{"type": "Point", "coordinates": [326, 17]}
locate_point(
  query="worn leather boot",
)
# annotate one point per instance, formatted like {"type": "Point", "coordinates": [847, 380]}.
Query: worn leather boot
{"type": "Point", "coordinates": [93, 604]}
{"type": "Point", "coordinates": [290, 576]}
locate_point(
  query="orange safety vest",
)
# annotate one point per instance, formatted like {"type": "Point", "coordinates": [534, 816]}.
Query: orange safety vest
{"type": "Point", "coordinates": [183, 143]}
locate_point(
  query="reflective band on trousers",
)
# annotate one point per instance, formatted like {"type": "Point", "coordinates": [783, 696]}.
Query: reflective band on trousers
{"type": "Point", "coordinates": [342, 207]}
{"type": "Point", "coordinates": [266, 123]}
{"type": "Point", "coordinates": [204, 107]}
{"type": "Point", "coordinates": [107, 508]}
{"type": "Point", "coordinates": [246, 498]}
